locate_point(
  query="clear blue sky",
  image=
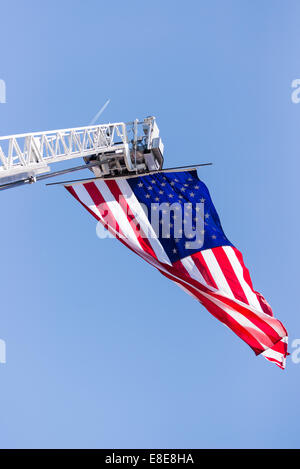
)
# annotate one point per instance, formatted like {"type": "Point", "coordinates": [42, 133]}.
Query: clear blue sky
{"type": "Point", "coordinates": [102, 351]}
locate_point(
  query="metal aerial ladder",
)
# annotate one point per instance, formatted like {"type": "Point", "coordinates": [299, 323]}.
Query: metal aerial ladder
{"type": "Point", "coordinates": [109, 150]}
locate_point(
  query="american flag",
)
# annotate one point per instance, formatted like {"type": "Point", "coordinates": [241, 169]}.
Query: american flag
{"type": "Point", "coordinates": [168, 218]}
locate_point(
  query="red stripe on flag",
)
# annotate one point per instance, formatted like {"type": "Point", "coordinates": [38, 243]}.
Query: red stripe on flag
{"type": "Point", "coordinates": [145, 244]}
{"type": "Point", "coordinates": [222, 316]}
{"type": "Point", "coordinates": [102, 205]}
{"type": "Point", "coordinates": [255, 317]}
{"type": "Point", "coordinates": [203, 269]}
{"type": "Point", "coordinates": [263, 303]}
{"type": "Point", "coordinates": [229, 274]}
{"type": "Point", "coordinates": [73, 193]}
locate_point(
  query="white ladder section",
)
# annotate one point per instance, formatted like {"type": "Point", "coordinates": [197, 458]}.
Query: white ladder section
{"type": "Point", "coordinates": [27, 155]}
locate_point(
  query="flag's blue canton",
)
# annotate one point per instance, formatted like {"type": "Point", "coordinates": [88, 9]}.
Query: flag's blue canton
{"type": "Point", "coordinates": [182, 188]}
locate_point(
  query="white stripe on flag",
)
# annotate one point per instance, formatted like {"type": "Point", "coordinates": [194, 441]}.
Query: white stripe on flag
{"type": "Point", "coordinates": [238, 270]}
{"type": "Point", "coordinates": [85, 198]}
{"type": "Point", "coordinates": [142, 219]}
{"type": "Point", "coordinates": [118, 213]}
{"type": "Point", "coordinates": [242, 321]}
{"type": "Point", "coordinates": [193, 271]}
{"type": "Point", "coordinates": [217, 273]}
